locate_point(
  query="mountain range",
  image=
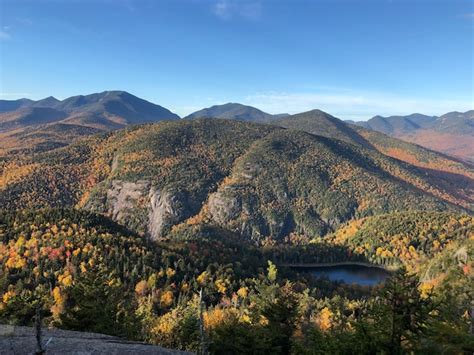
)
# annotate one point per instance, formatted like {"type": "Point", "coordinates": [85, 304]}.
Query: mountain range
{"type": "Point", "coordinates": [106, 110]}
{"type": "Point", "coordinates": [115, 215]}
{"type": "Point", "coordinates": [306, 174]}
{"type": "Point", "coordinates": [451, 133]}
{"type": "Point", "coordinates": [50, 123]}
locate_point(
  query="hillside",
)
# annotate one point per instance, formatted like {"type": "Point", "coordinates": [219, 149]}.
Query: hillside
{"type": "Point", "coordinates": [408, 238]}
{"type": "Point", "coordinates": [439, 247]}
{"type": "Point", "coordinates": [33, 125]}
{"type": "Point", "coordinates": [452, 174]}
{"type": "Point", "coordinates": [86, 273]}
{"type": "Point", "coordinates": [323, 124]}
{"type": "Point", "coordinates": [395, 125]}
{"type": "Point", "coordinates": [106, 110]}
{"type": "Point", "coordinates": [233, 111]}
{"type": "Point", "coordinates": [450, 133]}
{"type": "Point", "coordinates": [163, 211]}
{"type": "Point", "coordinates": [258, 180]}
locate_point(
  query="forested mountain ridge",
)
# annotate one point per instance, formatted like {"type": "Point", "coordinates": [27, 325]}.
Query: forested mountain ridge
{"type": "Point", "coordinates": [450, 133]}
{"type": "Point", "coordinates": [158, 212]}
{"type": "Point", "coordinates": [259, 180]}
{"type": "Point", "coordinates": [109, 108]}
{"type": "Point", "coordinates": [34, 125]}
{"type": "Point", "coordinates": [452, 174]}
{"type": "Point", "coordinates": [321, 123]}
{"type": "Point", "coordinates": [233, 111]}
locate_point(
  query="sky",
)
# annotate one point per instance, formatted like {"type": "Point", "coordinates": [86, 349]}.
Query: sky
{"type": "Point", "coordinates": [352, 58]}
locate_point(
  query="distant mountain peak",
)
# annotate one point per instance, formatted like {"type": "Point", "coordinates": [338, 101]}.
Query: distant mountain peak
{"type": "Point", "coordinates": [234, 111]}
{"type": "Point", "coordinates": [50, 98]}
{"type": "Point", "coordinates": [105, 110]}
{"type": "Point", "coordinates": [450, 133]}
{"type": "Point", "coordinates": [322, 123]}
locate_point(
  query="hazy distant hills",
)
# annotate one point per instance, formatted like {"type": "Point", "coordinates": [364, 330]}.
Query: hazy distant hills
{"type": "Point", "coordinates": [48, 123]}
{"type": "Point", "coordinates": [106, 110]}
{"type": "Point", "coordinates": [456, 122]}
{"type": "Point", "coordinates": [452, 122]}
{"type": "Point", "coordinates": [398, 124]}
{"type": "Point", "coordinates": [451, 133]}
{"type": "Point", "coordinates": [234, 111]}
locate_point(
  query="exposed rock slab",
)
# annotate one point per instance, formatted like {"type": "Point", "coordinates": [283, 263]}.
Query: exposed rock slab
{"type": "Point", "coordinates": [21, 340]}
{"type": "Point", "coordinates": [166, 209]}
{"type": "Point", "coordinates": [123, 196]}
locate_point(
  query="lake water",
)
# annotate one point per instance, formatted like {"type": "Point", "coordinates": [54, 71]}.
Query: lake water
{"type": "Point", "coordinates": [350, 274]}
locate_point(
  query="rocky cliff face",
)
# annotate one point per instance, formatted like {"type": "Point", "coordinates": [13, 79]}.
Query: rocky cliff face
{"type": "Point", "coordinates": [225, 206]}
{"type": "Point", "coordinates": [166, 209]}
{"type": "Point", "coordinates": [145, 208]}
{"type": "Point", "coordinates": [123, 197]}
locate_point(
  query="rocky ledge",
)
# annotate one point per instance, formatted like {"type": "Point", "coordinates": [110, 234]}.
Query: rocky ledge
{"type": "Point", "coordinates": [21, 340]}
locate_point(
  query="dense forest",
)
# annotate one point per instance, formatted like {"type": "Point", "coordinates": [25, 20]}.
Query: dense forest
{"type": "Point", "coordinates": [184, 234]}
{"type": "Point", "coordinates": [85, 272]}
{"type": "Point", "coordinates": [259, 180]}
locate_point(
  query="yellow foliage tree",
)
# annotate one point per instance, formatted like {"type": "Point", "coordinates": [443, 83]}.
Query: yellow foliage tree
{"type": "Point", "coordinates": [167, 298]}
{"type": "Point", "coordinates": [324, 319]}
{"type": "Point", "coordinates": [141, 288]}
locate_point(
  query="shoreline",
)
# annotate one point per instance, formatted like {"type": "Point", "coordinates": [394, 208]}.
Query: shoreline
{"type": "Point", "coordinates": [339, 263]}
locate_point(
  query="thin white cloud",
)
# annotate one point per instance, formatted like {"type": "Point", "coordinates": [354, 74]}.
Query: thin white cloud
{"type": "Point", "coordinates": [228, 9]}
{"type": "Point", "coordinates": [222, 9]}
{"type": "Point", "coordinates": [24, 21]}
{"type": "Point", "coordinates": [4, 36]}
{"type": "Point", "coordinates": [353, 105]}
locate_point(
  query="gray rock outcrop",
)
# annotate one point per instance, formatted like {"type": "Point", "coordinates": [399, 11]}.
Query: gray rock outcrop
{"type": "Point", "coordinates": [21, 340]}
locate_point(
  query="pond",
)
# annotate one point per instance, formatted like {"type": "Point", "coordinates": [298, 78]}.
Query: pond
{"type": "Point", "coordinates": [350, 273]}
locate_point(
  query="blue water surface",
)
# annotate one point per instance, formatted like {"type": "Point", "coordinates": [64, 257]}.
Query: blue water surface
{"type": "Point", "coordinates": [351, 274]}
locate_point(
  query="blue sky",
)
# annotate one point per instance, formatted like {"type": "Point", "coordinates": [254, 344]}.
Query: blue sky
{"type": "Point", "coordinates": [352, 58]}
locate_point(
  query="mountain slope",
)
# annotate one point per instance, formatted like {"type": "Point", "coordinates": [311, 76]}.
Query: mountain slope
{"type": "Point", "coordinates": [456, 123]}
{"type": "Point", "coordinates": [450, 133]}
{"type": "Point", "coordinates": [30, 116]}
{"type": "Point", "coordinates": [418, 240]}
{"type": "Point", "coordinates": [447, 173]}
{"type": "Point", "coordinates": [96, 112]}
{"type": "Point", "coordinates": [323, 124]}
{"type": "Point", "coordinates": [260, 181]}
{"type": "Point", "coordinates": [105, 110]}
{"type": "Point", "coordinates": [395, 125]}
{"type": "Point", "coordinates": [12, 105]}
{"type": "Point", "coordinates": [232, 111]}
